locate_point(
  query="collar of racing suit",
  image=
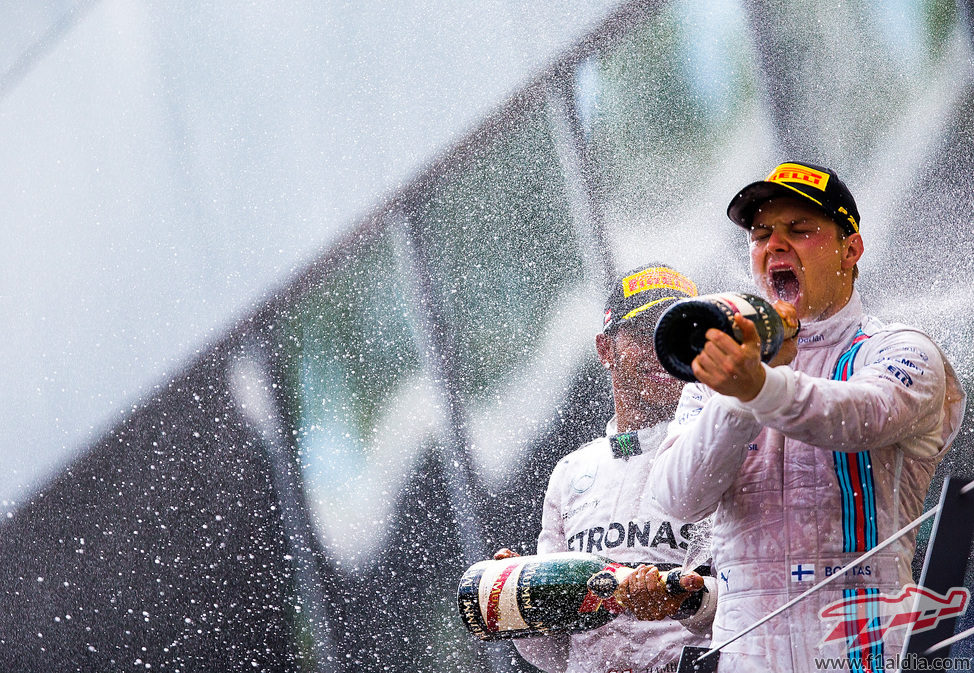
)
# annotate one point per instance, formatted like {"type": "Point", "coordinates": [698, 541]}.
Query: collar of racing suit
{"type": "Point", "coordinates": [834, 329]}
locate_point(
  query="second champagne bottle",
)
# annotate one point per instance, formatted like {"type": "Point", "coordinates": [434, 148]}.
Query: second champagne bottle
{"type": "Point", "coordinates": [543, 594]}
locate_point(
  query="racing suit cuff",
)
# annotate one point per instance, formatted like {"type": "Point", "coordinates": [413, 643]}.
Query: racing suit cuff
{"type": "Point", "coordinates": [773, 393]}
{"type": "Point", "coordinates": [697, 612]}
{"type": "Point", "coordinates": [776, 389]}
{"type": "Point", "coordinates": [733, 406]}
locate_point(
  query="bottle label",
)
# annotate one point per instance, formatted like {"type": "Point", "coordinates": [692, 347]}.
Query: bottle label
{"type": "Point", "coordinates": [763, 317]}
{"type": "Point", "coordinates": [498, 597]}
{"type": "Point", "coordinates": [468, 601]}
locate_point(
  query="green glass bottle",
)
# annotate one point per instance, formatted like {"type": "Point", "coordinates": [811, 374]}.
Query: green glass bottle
{"type": "Point", "coordinates": [680, 331]}
{"type": "Point", "coordinates": [542, 594]}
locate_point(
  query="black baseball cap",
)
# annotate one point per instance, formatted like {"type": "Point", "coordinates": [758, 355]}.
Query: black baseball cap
{"type": "Point", "coordinates": [643, 293]}
{"type": "Point", "coordinates": [819, 185]}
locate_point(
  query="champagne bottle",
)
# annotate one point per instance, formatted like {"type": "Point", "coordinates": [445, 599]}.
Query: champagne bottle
{"type": "Point", "coordinates": [680, 331]}
{"type": "Point", "coordinates": [542, 594]}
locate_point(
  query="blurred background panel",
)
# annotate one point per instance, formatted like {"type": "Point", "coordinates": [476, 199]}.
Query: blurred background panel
{"type": "Point", "coordinates": [672, 120]}
{"type": "Point", "coordinates": [301, 301]}
{"type": "Point", "coordinates": [359, 402]}
{"type": "Point", "coordinates": [509, 278]}
{"type": "Point", "coordinates": [170, 166]}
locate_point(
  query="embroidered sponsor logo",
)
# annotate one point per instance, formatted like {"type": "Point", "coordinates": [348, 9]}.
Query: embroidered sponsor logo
{"type": "Point", "coordinates": [625, 445]}
{"type": "Point", "coordinates": [579, 508]}
{"type": "Point", "coordinates": [655, 278]}
{"type": "Point", "coordinates": [909, 365]}
{"type": "Point", "coordinates": [900, 375]}
{"type": "Point", "coordinates": [810, 339]}
{"type": "Point", "coordinates": [583, 482]}
{"type": "Point", "coordinates": [616, 534]}
{"type": "Point", "coordinates": [796, 173]}
{"type": "Point", "coordinates": [862, 620]}
{"type": "Point", "coordinates": [915, 351]}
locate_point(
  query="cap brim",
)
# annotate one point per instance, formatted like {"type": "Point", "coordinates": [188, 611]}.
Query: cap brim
{"type": "Point", "coordinates": [743, 206]}
{"type": "Point", "coordinates": [652, 313]}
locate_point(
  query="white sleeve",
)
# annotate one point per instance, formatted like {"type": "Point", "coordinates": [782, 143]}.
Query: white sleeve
{"type": "Point", "coordinates": [552, 537]}
{"type": "Point", "coordinates": [705, 446]}
{"type": "Point", "coordinates": [895, 396]}
{"type": "Point", "coordinates": [549, 653]}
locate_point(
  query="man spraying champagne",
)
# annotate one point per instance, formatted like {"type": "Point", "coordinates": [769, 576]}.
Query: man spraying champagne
{"type": "Point", "coordinates": [597, 501]}
{"type": "Point", "coordinates": [807, 465]}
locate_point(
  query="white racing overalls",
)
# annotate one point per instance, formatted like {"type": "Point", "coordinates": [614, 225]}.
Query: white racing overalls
{"type": "Point", "coordinates": [834, 455]}
{"type": "Point", "coordinates": [600, 504]}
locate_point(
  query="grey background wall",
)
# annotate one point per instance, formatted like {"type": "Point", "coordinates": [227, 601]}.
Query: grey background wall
{"type": "Point", "coordinates": [168, 166]}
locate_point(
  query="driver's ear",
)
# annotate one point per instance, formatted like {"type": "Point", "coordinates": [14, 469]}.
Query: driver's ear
{"type": "Point", "coordinates": [603, 346]}
{"type": "Point", "coordinates": [853, 250]}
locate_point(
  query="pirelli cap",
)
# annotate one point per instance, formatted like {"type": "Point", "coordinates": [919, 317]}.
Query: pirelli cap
{"type": "Point", "coordinates": [644, 292]}
{"type": "Point", "coordinates": [819, 185]}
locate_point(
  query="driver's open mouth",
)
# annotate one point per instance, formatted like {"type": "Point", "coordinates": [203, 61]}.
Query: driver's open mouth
{"type": "Point", "coordinates": [785, 284]}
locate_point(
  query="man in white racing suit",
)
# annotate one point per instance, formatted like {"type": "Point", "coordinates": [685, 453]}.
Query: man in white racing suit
{"type": "Point", "coordinates": [805, 467]}
{"type": "Point", "coordinates": [597, 502]}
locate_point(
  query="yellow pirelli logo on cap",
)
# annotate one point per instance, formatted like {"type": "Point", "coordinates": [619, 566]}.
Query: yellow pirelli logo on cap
{"type": "Point", "coordinates": [849, 218]}
{"type": "Point", "coordinates": [658, 277]}
{"type": "Point", "coordinates": [796, 173]}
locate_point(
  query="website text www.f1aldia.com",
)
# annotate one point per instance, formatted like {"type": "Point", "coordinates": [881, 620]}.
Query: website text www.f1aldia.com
{"type": "Point", "coordinates": [910, 662]}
